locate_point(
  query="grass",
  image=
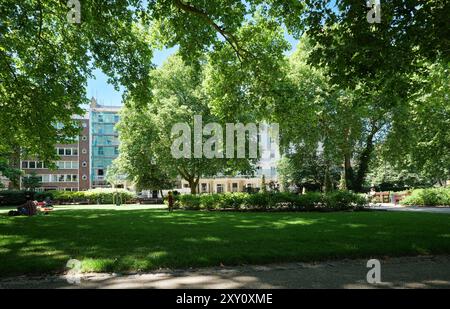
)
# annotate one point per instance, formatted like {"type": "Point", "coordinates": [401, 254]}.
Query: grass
{"type": "Point", "coordinates": [133, 238]}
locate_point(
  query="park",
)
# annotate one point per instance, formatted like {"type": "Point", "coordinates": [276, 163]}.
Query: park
{"type": "Point", "coordinates": [226, 144]}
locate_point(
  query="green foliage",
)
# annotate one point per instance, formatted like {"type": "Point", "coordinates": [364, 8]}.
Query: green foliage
{"type": "Point", "coordinates": [189, 201]}
{"type": "Point", "coordinates": [420, 141]}
{"type": "Point", "coordinates": [428, 197]}
{"type": "Point", "coordinates": [210, 201]}
{"type": "Point", "coordinates": [352, 49]}
{"type": "Point", "coordinates": [308, 201]}
{"type": "Point", "coordinates": [107, 196]}
{"type": "Point", "coordinates": [385, 176]}
{"type": "Point", "coordinates": [146, 131]}
{"type": "Point", "coordinates": [45, 62]}
{"type": "Point", "coordinates": [342, 200]}
{"type": "Point", "coordinates": [13, 197]}
{"type": "Point", "coordinates": [338, 200]}
{"type": "Point", "coordinates": [233, 200]}
{"type": "Point", "coordinates": [99, 195]}
{"type": "Point", "coordinates": [31, 182]}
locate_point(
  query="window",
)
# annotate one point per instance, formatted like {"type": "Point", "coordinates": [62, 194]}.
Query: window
{"type": "Point", "coordinates": [100, 151]}
{"type": "Point", "coordinates": [100, 118]}
{"type": "Point", "coordinates": [116, 118]}
{"type": "Point", "coordinates": [116, 150]}
{"type": "Point", "coordinates": [186, 185]}
{"type": "Point", "coordinates": [84, 124]}
{"type": "Point", "coordinates": [68, 151]}
{"type": "Point", "coordinates": [204, 187]}
{"type": "Point", "coordinates": [84, 164]}
{"type": "Point", "coordinates": [84, 138]}
{"type": "Point", "coordinates": [84, 151]}
{"type": "Point", "coordinates": [39, 165]}
{"type": "Point", "coordinates": [24, 164]}
{"type": "Point", "coordinates": [100, 172]}
{"type": "Point", "coordinates": [45, 178]}
{"type": "Point", "coordinates": [61, 151]}
{"type": "Point", "coordinates": [219, 188]}
{"type": "Point", "coordinates": [74, 178]}
{"type": "Point", "coordinates": [74, 152]}
{"type": "Point", "coordinates": [31, 164]}
{"type": "Point", "coordinates": [84, 177]}
{"type": "Point", "coordinates": [234, 186]}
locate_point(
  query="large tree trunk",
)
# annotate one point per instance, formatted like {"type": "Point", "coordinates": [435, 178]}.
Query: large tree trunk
{"type": "Point", "coordinates": [348, 172]}
{"type": "Point", "coordinates": [328, 185]}
{"type": "Point", "coordinates": [364, 160]}
{"type": "Point", "coordinates": [193, 184]}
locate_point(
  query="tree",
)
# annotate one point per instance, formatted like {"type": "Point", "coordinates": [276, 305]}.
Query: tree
{"type": "Point", "coordinates": [146, 132]}
{"type": "Point", "coordinates": [326, 128]}
{"type": "Point", "coordinates": [353, 50]}
{"type": "Point", "coordinates": [12, 173]}
{"type": "Point", "coordinates": [421, 142]}
{"type": "Point", "coordinates": [31, 182]}
{"type": "Point", "coordinates": [355, 55]}
{"type": "Point", "coordinates": [386, 176]}
{"type": "Point", "coordinates": [45, 62]}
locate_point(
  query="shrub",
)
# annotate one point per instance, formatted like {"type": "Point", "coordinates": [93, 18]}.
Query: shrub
{"type": "Point", "coordinates": [13, 197]}
{"type": "Point", "coordinates": [428, 197]}
{"type": "Point", "coordinates": [339, 200]}
{"type": "Point", "coordinates": [308, 201]}
{"type": "Point", "coordinates": [105, 195]}
{"type": "Point", "coordinates": [41, 196]}
{"type": "Point", "coordinates": [233, 200]}
{"type": "Point", "coordinates": [257, 200]}
{"type": "Point", "coordinates": [189, 201]}
{"type": "Point", "coordinates": [342, 200]}
{"type": "Point", "coordinates": [211, 201]}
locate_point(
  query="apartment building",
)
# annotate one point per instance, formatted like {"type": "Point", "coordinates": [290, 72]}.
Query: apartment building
{"type": "Point", "coordinates": [243, 183]}
{"type": "Point", "coordinates": [72, 168]}
{"type": "Point", "coordinates": [104, 140]}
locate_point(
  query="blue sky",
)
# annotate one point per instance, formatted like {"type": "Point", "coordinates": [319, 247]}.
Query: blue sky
{"type": "Point", "coordinates": [107, 95]}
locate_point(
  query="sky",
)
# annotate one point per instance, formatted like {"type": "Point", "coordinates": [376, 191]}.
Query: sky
{"type": "Point", "coordinates": [105, 93]}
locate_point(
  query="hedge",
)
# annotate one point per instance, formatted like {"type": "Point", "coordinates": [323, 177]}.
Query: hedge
{"type": "Point", "coordinates": [428, 197]}
{"type": "Point", "coordinates": [338, 200]}
{"type": "Point", "coordinates": [93, 196]}
{"type": "Point", "coordinates": [13, 197]}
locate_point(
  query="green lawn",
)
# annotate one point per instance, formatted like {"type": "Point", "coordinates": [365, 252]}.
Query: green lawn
{"type": "Point", "coordinates": [110, 238]}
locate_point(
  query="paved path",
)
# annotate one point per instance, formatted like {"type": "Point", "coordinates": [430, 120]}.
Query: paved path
{"type": "Point", "coordinates": [405, 272]}
{"type": "Point", "coordinates": [392, 207]}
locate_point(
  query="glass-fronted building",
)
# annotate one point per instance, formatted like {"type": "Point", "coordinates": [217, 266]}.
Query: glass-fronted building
{"type": "Point", "coordinates": [104, 141]}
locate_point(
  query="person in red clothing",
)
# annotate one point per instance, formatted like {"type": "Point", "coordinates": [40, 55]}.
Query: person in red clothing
{"type": "Point", "coordinates": [170, 200]}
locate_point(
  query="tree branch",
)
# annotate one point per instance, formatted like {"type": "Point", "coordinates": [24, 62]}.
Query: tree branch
{"type": "Point", "coordinates": [231, 40]}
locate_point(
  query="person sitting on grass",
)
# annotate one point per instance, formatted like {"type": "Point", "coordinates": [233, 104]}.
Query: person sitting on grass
{"type": "Point", "coordinates": [29, 207]}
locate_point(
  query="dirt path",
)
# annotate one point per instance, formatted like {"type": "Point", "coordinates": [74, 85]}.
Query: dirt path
{"type": "Point", "coordinates": [406, 272]}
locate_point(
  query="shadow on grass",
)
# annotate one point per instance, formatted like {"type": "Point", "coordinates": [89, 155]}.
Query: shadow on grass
{"type": "Point", "coordinates": [138, 240]}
